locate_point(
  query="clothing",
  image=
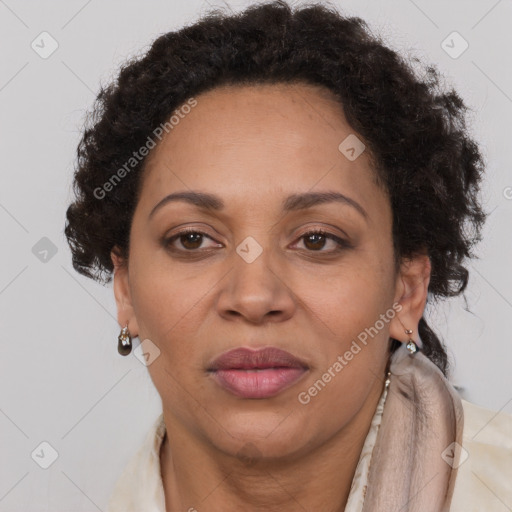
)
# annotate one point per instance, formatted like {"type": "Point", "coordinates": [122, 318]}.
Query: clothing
{"type": "Point", "coordinates": [482, 482]}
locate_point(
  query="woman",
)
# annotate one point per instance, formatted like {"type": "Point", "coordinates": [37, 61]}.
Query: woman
{"type": "Point", "coordinates": [276, 194]}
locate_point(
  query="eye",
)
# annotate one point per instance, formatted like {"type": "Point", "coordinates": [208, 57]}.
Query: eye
{"type": "Point", "coordinates": [189, 239]}
{"type": "Point", "coordinates": [317, 239]}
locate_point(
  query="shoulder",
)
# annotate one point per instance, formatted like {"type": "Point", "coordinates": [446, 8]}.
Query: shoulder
{"type": "Point", "coordinates": [484, 476]}
{"type": "Point", "coordinates": [140, 486]}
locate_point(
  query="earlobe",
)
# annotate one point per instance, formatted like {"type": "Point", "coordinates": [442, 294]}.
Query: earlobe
{"type": "Point", "coordinates": [122, 294]}
{"type": "Point", "coordinates": [411, 293]}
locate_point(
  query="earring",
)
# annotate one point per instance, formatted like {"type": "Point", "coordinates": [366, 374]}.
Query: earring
{"type": "Point", "coordinates": [388, 379]}
{"type": "Point", "coordinates": [124, 339]}
{"type": "Point", "coordinates": [411, 345]}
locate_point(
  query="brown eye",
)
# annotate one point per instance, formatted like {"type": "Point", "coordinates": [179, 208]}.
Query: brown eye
{"type": "Point", "coordinates": [315, 241]}
{"type": "Point", "coordinates": [188, 240]}
{"type": "Point", "coordinates": [191, 240]}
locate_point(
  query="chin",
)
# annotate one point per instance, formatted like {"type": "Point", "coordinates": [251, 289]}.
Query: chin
{"type": "Point", "coordinates": [260, 434]}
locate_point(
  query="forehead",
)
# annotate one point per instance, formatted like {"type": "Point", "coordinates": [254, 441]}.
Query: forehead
{"type": "Point", "coordinates": [248, 141]}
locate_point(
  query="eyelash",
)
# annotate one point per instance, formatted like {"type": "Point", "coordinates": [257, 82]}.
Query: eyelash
{"type": "Point", "coordinates": [342, 244]}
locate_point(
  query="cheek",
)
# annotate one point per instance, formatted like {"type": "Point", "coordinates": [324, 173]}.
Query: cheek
{"type": "Point", "coordinates": [349, 297]}
{"type": "Point", "coordinates": [170, 304]}
{"type": "Point", "coordinates": [167, 306]}
{"type": "Point", "coordinates": [355, 351]}
{"type": "Point", "coordinates": [162, 303]}
{"type": "Point", "coordinates": [352, 311]}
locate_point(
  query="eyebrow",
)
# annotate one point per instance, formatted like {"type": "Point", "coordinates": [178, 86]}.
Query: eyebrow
{"type": "Point", "coordinates": [293, 202]}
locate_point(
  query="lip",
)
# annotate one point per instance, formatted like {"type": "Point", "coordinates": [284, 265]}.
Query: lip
{"type": "Point", "coordinates": [262, 373]}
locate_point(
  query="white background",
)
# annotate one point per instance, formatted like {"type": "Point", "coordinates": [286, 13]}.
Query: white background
{"type": "Point", "coordinates": [61, 378]}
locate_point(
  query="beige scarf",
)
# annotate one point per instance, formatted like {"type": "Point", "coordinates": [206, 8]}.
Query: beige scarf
{"type": "Point", "coordinates": [418, 443]}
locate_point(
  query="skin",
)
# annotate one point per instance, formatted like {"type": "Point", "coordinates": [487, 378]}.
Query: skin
{"type": "Point", "coordinates": [253, 146]}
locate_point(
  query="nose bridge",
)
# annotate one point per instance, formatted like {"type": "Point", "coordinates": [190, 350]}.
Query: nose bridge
{"type": "Point", "coordinates": [256, 235]}
{"type": "Point", "coordinates": [252, 265]}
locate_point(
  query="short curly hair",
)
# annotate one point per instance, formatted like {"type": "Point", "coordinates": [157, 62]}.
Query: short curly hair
{"type": "Point", "coordinates": [414, 130]}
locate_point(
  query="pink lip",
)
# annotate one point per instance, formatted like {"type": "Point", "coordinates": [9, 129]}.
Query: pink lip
{"type": "Point", "coordinates": [260, 373]}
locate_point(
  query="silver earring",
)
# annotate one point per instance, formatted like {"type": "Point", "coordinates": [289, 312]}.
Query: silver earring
{"type": "Point", "coordinates": [411, 345]}
{"type": "Point", "coordinates": [124, 339]}
{"type": "Point", "coordinates": [388, 379]}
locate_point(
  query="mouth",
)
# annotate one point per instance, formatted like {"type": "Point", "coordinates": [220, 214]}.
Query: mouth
{"type": "Point", "coordinates": [263, 373]}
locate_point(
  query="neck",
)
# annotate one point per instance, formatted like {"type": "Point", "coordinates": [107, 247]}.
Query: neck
{"type": "Point", "coordinates": [196, 476]}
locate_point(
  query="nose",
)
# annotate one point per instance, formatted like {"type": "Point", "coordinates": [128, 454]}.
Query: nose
{"type": "Point", "coordinates": [256, 291]}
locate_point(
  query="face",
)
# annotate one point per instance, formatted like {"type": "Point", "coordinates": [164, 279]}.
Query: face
{"type": "Point", "coordinates": [265, 263]}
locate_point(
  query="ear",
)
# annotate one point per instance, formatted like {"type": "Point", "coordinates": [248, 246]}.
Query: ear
{"type": "Point", "coordinates": [125, 312]}
{"type": "Point", "coordinates": [411, 292]}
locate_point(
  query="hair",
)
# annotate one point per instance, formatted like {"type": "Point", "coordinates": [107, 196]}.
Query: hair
{"type": "Point", "coordinates": [414, 130]}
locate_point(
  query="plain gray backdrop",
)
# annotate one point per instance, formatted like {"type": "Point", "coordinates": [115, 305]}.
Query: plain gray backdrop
{"type": "Point", "coordinates": [62, 381]}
